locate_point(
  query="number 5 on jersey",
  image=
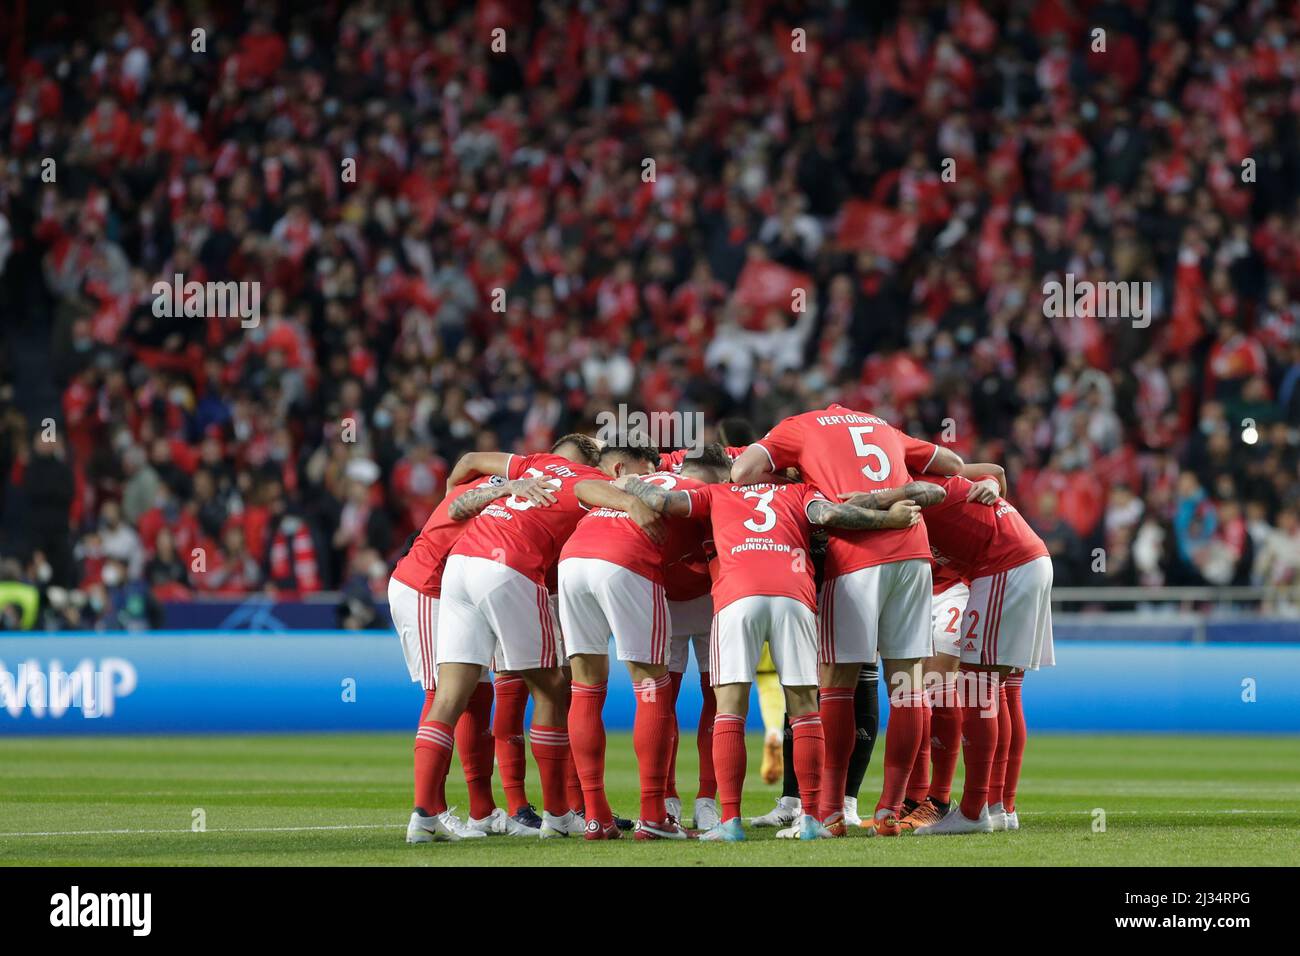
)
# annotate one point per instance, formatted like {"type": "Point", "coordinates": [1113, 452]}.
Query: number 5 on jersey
{"type": "Point", "coordinates": [866, 450]}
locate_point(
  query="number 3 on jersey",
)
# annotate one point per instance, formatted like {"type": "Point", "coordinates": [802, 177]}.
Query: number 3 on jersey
{"type": "Point", "coordinates": [864, 449]}
{"type": "Point", "coordinates": [763, 506]}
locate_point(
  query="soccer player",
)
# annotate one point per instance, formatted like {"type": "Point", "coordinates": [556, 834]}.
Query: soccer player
{"type": "Point", "coordinates": [612, 582]}
{"type": "Point", "coordinates": [929, 787]}
{"type": "Point", "coordinates": [763, 591]}
{"type": "Point", "coordinates": [876, 599]}
{"type": "Point", "coordinates": [1007, 624]}
{"type": "Point", "coordinates": [690, 606]}
{"type": "Point", "coordinates": [413, 597]}
{"type": "Point", "coordinates": [738, 434]}
{"type": "Point", "coordinates": [495, 611]}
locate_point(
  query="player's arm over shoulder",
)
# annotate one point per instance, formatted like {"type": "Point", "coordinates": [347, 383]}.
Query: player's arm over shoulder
{"type": "Point", "coordinates": [928, 458]}
{"type": "Point", "coordinates": [901, 514]}
{"type": "Point", "coordinates": [769, 456]}
{"type": "Point", "coordinates": [675, 504]}
{"type": "Point", "coordinates": [752, 466]}
{"type": "Point", "coordinates": [477, 464]}
{"type": "Point", "coordinates": [986, 469]}
{"type": "Point", "coordinates": [923, 494]}
{"type": "Point", "coordinates": [469, 503]}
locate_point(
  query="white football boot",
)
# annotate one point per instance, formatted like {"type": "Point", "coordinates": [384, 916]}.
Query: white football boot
{"type": "Point", "coordinates": [706, 813]}
{"type": "Point", "coordinates": [554, 827]}
{"type": "Point", "coordinates": [445, 826]}
{"type": "Point", "coordinates": [786, 812]}
{"type": "Point", "coordinates": [955, 822]}
{"type": "Point", "coordinates": [997, 817]}
{"type": "Point", "coordinates": [1013, 820]}
{"type": "Point", "coordinates": [458, 826]}
{"type": "Point", "coordinates": [805, 828]}
{"type": "Point", "coordinates": [500, 823]}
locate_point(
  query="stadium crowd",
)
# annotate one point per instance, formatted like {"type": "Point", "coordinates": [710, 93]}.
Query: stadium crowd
{"type": "Point", "coordinates": [920, 169]}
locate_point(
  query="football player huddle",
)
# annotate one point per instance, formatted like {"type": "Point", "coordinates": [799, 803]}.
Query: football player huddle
{"type": "Point", "coordinates": [834, 542]}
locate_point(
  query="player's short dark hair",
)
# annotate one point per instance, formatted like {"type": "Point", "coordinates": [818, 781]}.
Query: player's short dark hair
{"type": "Point", "coordinates": [736, 432]}
{"type": "Point", "coordinates": [631, 447]}
{"type": "Point", "coordinates": [585, 445]}
{"type": "Point", "coordinates": [710, 462]}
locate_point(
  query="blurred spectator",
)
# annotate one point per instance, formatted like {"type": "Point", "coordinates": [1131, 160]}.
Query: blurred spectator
{"type": "Point", "coordinates": [165, 572]}
{"type": "Point", "coordinates": [229, 569]}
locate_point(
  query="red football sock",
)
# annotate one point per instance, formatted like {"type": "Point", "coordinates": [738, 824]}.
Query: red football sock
{"type": "Point", "coordinates": [670, 783]}
{"type": "Point", "coordinates": [918, 779]}
{"type": "Point", "coordinates": [840, 732]}
{"type": "Point", "coordinates": [472, 730]}
{"type": "Point", "coordinates": [945, 741]}
{"type": "Point", "coordinates": [704, 739]}
{"type": "Point", "coordinates": [1016, 753]}
{"type": "Point", "coordinates": [572, 782]}
{"type": "Point", "coordinates": [433, 745]}
{"type": "Point", "coordinates": [979, 731]}
{"type": "Point", "coordinates": [508, 729]}
{"type": "Point", "coordinates": [652, 739]}
{"type": "Point", "coordinates": [999, 770]}
{"type": "Point", "coordinates": [551, 751]}
{"type": "Point", "coordinates": [809, 757]}
{"type": "Point", "coordinates": [902, 741]}
{"type": "Point", "coordinates": [587, 742]}
{"type": "Point", "coordinates": [729, 761]}
{"type": "Point", "coordinates": [573, 786]}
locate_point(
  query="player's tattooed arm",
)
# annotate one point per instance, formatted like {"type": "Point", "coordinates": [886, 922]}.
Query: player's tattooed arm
{"type": "Point", "coordinates": [901, 514]}
{"type": "Point", "coordinates": [923, 494]}
{"type": "Point", "coordinates": [476, 464]}
{"type": "Point", "coordinates": [470, 503]}
{"type": "Point", "coordinates": [608, 494]}
{"type": "Point", "coordinates": [673, 503]}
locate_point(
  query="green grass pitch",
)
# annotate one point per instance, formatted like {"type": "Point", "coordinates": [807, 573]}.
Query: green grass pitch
{"type": "Point", "coordinates": [343, 800]}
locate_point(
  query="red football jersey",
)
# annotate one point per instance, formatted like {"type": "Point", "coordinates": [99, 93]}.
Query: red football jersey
{"type": "Point", "coordinates": [421, 567]}
{"type": "Point", "coordinates": [840, 450]}
{"type": "Point", "coordinates": [613, 536]}
{"type": "Point", "coordinates": [686, 563]}
{"type": "Point", "coordinates": [672, 460]}
{"type": "Point", "coordinates": [688, 578]}
{"type": "Point", "coordinates": [761, 535]}
{"type": "Point", "coordinates": [523, 536]}
{"type": "Point", "coordinates": [977, 540]}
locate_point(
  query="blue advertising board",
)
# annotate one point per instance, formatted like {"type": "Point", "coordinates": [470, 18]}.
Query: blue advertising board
{"type": "Point", "coordinates": [205, 682]}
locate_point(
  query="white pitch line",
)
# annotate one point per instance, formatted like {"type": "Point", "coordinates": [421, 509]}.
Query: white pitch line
{"type": "Point", "coordinates": [342, 826]}
{"type": "Point", "coordinates": [393, 826]}
{"type": "Point", "coordinates": [201, 794]}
